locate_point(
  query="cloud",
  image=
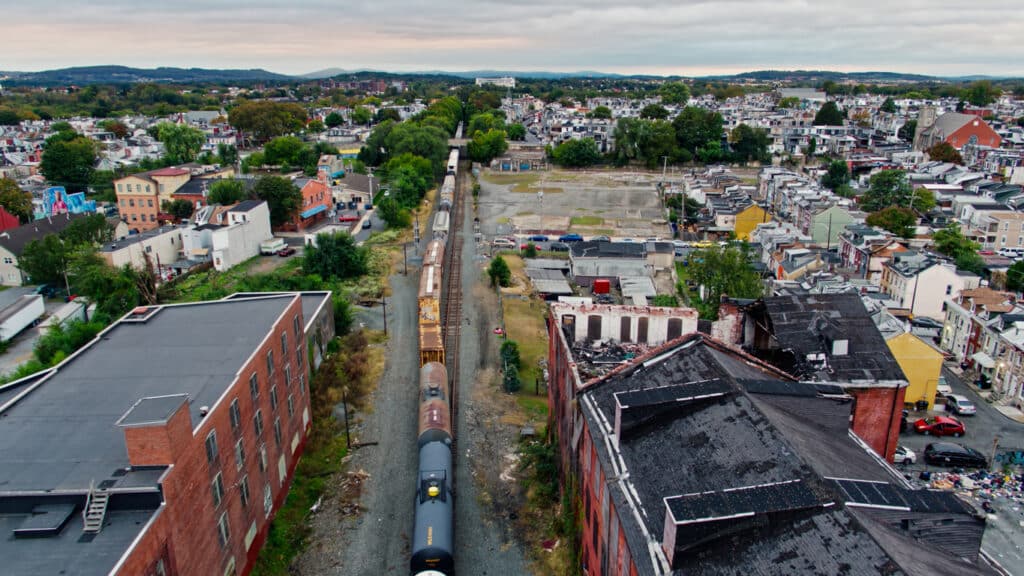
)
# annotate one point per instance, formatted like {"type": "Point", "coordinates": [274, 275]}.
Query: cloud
{"type": "Point", "coordinates": [672, 37]}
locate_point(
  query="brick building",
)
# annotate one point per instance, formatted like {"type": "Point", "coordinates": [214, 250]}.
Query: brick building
{"type": "Point", "coordinates": [696, 458]}
{"type": "Point", "coordinates": [176, 431]}
{"type": "Point", "coordinates": [317, 202]}
{"type": "Point", "coordinates": [957, 130]}
{"type": "Point", "coordinates": [140, 196]}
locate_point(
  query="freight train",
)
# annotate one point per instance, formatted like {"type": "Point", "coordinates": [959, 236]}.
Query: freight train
{"type": "Point", "coordinates": [433, 530]}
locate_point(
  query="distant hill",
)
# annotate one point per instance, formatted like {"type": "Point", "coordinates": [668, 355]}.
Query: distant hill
{"type": "Point", "coordinates": [124, 74]}
{"type": "Point", "coordinates": [822, 75]}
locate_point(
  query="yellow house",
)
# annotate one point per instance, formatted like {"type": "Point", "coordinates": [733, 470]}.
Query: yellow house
{"type": "Point", "coordinates": [921, 364]}
{"type": "Point", "coordinates": [748, 219]}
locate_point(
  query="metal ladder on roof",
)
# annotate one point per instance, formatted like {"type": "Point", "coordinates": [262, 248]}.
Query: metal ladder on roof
{"type": "Point", "coordinates": [95, 509]}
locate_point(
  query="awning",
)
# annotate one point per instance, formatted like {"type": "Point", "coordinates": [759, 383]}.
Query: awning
{"type": "Point", "coordinates": [314, 211]}
{"type": "Point", "coordinates": [984, 360]}
{"type": "Point", "coordinates": [200, 251]}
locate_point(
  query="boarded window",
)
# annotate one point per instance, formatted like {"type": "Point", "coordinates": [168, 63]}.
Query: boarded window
{"type": "Point", "coordinates": [626, 330]}
{"type": "Point", "coordinates": [675, 328]}
{"type": "Point", "coordinates": [641, 330]}
{"type": "Point", "coordinates": [593, 327]}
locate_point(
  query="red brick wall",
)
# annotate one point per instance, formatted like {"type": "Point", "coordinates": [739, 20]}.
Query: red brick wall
{"type": "Point", "coordinates": [986, 136]}
{"type": "Point", "coordinates": [159, 445]}
{"type": "Point", "coordinates": [151, 548]}
{"type": "Point", "coordinates": [191, 515]}
{"type": "Point", "coordinates": [876, 417]}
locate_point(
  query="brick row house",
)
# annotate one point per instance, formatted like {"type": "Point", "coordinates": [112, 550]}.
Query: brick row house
{"type": "Point", "coordinates": [177, 431]}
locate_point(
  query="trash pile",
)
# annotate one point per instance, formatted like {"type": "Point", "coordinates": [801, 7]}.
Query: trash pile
{"type": "Point", "coordinates": [982, 487]}
{"type": "Point", "coordinates": [597, 358]}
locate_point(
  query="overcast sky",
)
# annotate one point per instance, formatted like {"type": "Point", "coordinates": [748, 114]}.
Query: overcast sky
{"type": "Point", "coordinates": [685, 37]}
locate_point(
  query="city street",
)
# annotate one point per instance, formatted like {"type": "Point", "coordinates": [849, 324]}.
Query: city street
{"type": "Point", "coordinates": [1004, 534]}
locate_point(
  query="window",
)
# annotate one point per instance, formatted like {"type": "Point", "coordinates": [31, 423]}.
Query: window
{"type": "Point", "coordinates": [239, 455]}
{"type": "Point", "coordinates": [254, 387]}
{"type": "Point", "coordinates": [295, 326]}
{"type": "Point", "coordinates": [236, 415]}
{"type": "Point", "coordinates": [223, 534]}
{"type": "Point", "coordinates": [149, 203]}
{"type": "Point", "coordinates": [302, 384]}
{"type": "Point", "coordinates": [152, 217]}
{"type": "Point", "coordinates": [243, 491]}
{"type": "Point", "coordinates": [258, 422]}
{"type": "Point", "coordinates": [273, 397]}
{"type": "Point", "coordinates": [291, 405]}
{"type": "Point", "coordinates": [8, 260]}
{"type": "Point", "coordinates": [268, 501]}
{"type": "Point", "coordinates": [148, 189]}
{"type": "Point", "coordinates": [123, 203]}
{"type": "Point", "coordinates": [149, 249]}
{"type": "Point", "coordinates": [218, 489]}
{"type": "Point", "coordinates": [287, 375]}
{"type": "Point", "coordinates": [949, 289]}
{"type": "Point", "coordinates": [135, 218]}
{"type": "Point", "coordinates": [284, 344]}
{"type": "Point", "coordinates": [211, 447]}
{"type": "Point", "coordinates": [298, 355]}
{"type": "Point", "coordinates": [120, 190]}
{"type": "Point", "coordinates": [270, 362]}
{"type": "Point", "coordinates": [277, 432]}
{"type": "Point", "coordinates": [131, 201]}
{"type": "Point", "coordinates": [263, 457]}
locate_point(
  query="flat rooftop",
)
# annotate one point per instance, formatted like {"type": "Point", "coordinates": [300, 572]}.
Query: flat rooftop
{"type": "Point", "coordinates": [62, 434]}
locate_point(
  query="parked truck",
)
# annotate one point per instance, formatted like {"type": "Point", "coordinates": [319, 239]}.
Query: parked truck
{"type": "Point", "coordinates": [272, 246]}
{"type": "Point", "coordinates": [21, 314]}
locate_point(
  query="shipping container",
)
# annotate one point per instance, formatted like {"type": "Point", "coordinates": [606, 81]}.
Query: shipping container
{"type": "Point", "coordinates": [602, 286]}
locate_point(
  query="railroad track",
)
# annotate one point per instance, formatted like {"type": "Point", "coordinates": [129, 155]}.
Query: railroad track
{"type": "Point", "coordinates": [452, 318]}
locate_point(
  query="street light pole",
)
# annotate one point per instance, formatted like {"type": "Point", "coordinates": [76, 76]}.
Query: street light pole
{"type": "Point", "coordinates": [384, 301]}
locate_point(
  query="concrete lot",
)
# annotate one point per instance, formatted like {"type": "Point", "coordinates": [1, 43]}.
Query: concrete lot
{"type": "Point", "coordinates": [619, 204]}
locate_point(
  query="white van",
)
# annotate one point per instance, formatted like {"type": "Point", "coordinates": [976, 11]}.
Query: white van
{"type": "Point", "coordinates": [1011, 252]}
{"type": "Point", "coordinates": [272, 246]}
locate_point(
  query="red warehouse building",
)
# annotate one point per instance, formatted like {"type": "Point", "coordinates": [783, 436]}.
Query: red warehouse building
{"type": "Point", "coordinates": [164, 447]}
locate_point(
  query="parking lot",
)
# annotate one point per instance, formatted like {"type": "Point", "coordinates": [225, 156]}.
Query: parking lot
{"type": "Point", "coordinates": [615, 204]}
{"type": "Point", "coordinates": [990, 433]}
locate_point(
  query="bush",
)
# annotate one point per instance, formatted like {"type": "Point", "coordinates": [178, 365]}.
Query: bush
{"type": "Point", "coordinates": [343, 317]}
{"type": "Point", "coordinates": [511, 380]}
{"type": "Point", "coordinates": [530, 251]}
{"type": "Point", "coordinates": [510, 353]}
{"type": "Point", "coordinates": [499, 272]}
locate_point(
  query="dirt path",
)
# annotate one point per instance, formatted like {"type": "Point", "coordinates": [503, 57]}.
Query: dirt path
{"type": "Point", "coordinates": [376, 541]}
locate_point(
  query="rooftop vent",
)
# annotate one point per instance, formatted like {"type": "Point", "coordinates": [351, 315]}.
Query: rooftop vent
{"type": "Point", "coordinates": [141, 314]}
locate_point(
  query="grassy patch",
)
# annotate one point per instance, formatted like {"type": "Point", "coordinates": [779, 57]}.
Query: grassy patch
{"type": "Point", "coordinates": [586, 221]}
{"type": "Point", "coordinates": [535, 407]}
{"type": "Point", "coordinates": [524, 188]}
{"type": "Point", "coordinates": [503, 220]}
{"type": "Point", "coordinates": [525, 213]}
{"type": "Point", "coordinates": [524, 321]}
{"type": "Point", "coordinates": [505, 179]}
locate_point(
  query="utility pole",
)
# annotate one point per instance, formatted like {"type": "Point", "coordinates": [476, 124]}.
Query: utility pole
{"type": "Point", "coordinates": [384, 301]}
{"type": "Point", "coordinates": [405, 257]}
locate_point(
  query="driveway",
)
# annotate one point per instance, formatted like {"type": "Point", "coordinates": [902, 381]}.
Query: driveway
{"type": "Point", "coordinates": [20, 349]}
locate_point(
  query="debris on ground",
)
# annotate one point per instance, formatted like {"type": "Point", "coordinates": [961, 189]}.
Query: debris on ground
{"type": "Point", "coordinates": [979, 487]}
{"type": "Point", "coordinates": [351, 491]}
{"type": "Point", "coordinates": [599, 357]}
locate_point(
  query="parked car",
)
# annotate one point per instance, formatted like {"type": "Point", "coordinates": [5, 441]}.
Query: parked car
{"type": "Point", "coordinates": [904, 455]}
{"type": "Point", "coordinates": [940, 426]}
{"type": "Point", "coordinates": [367, 224]}
{"type": "Point", "coordinates": [950, 454]}
{"type": "Point", "coordinates": [904, 425]}
{"type": "Point", "coordinates": [285, 252]}
{"type": "Point", "coordinates": [538, 238]}
{"type": "Point", "coordinates": [960, 405]}
{"type": "Point", "coordinates": [348, 218]}
{"type": "Point", "coordinates": [558, 247]}
{"type": "Point", "coordinates": [503, 243]}
{"type": "Point", "coordinates": [679, 243]}
{"type": "Point", "coordinates": [601, 238]}
{"type": "Point", "coordinates": [943, 388]}
{"type": "Point", "coordinates": [570, 238]}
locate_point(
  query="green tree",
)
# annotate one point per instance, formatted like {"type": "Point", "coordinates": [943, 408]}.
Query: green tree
{"type": "Point", "coordinates": [720, 271]}
{"type": "Point", "coordinates": [387, 114]}
{"type": "Point", "coordinates": [336, 256]}
{"type": "Point", "coordinates": [361, 115]}
{"type": "Point", "coordinates": [511, 380]}
{"type": "Point", "coordinates": [696, 128]}
{"type": "Point", "coordinates": [530, 251]}
{"type": "Point", "coordinates": [9, 117]}
{"type": "Point", "coordinates": [812, 147]}
{"type": "Point", "coordinates": [838, 175]}
{"type": "Point", "coordinates": [899, 221]}
{"type": "Point", "coordinates": [115, 127]}
{"type": "Point", "coordinates": [829, 115]}
{"type": "Point", "coordinates": [15, 200]}
{"type": "Point", "coordinates": [226, 191]}
{"type": "Point", "coordinates": [952, 242]}
{"type": "Point", "coordinates": [602, 113]}
{"type": "Point", "coordinates": [510, 353]}
{"type": "Point", "coordinates": [315, 127]}
{"type": "Point", "coordinates": [409, 177]}
{"type": "Point", "coordinates": [228, 154]}
{"type": "Point", "coordinates": [887, 188]}
{"type": "Point", "coordinates": [499, 272]}
{"type": "Point", "coordinates": [654, 112]}
{"type": "Point", "coordinates": [789, 102]}
{"type": "Point", "coordinates": [907, 131]}
{"type": "Point", "coordinates": [429, 142]}
{"type": "Point", "coordinates": [179, 208]}
{"type": "Point", "coordinates": [750, 144]}
{"type": "Point", "coordinates": [576, 153]}
{"type": "Point", "coordinates": [282, 197]}
{"type": "Point", "coordinates": [392, 214]}
{"type": "Point", "coordinates": [674, 93]}
{"type": "Point", "coordinates": [284, 150]}
{"type": "Point", "coordinates": [374, 152]}
{"type": "Point", "coordinates": [665, 300]}
{"type": "Point", "coordinates": [515, 132]}
{"type": "Point", "coordinates": [114, 291]}
{"type": "Point", "coordinates": [266, 119]}
{"type": "Point", "coordinates": [486, 146]}
{"type": "Point", "coordinates": [982, 93]}
{"type": "Point", "coordinates": [944, 152]}
{"type": "Point", "coordinates": [485, 122]}
{"type": "Point", "coordinates": [45, 260]}
{"type": "Point", "coordinates": [69, 163]}
{"type": "Point", "coordinates": [888, 106]}
{"type": "Point", "coordinates": [1015, 277]}
{"type": "Point", "coordinates": [92, 229]}
{"type": "Point", "coordinates": [333, 120]}
{"type": "Point", "coordinates": [182, 142]}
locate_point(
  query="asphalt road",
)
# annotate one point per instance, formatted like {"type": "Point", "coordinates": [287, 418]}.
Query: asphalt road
{"type": "Point", "coordinates": [1004, 534]}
